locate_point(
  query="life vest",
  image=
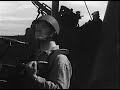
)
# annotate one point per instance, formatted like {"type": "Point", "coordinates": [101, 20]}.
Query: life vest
{"type": "Point", "coordinates": [46, 67]}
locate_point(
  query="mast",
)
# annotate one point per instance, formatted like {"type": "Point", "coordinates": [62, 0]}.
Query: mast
{"type": "Point", "coordinates": [55, 8]}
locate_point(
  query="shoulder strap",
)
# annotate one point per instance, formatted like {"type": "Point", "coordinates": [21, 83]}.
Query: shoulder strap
{"type": "Point", "coordinates": [54, 54]}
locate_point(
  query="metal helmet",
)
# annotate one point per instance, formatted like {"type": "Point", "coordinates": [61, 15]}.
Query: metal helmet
{"type": "Point", "coordinates": [96, 13]}
{"type": "Point", "coordinates": [52, 21]}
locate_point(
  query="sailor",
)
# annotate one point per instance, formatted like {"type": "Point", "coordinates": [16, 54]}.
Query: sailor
{"type": "Point", "coordinates": [59, 71]}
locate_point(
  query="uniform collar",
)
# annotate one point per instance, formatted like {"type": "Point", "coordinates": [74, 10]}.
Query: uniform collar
{"type": "Point", "coordinates": [53, 48]}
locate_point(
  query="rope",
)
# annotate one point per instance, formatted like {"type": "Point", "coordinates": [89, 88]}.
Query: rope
{"type": "Point", "coordinates": [38, 9]}
{"type": "Point", "coordinates": [35, 4]}
{"type": "Point", "coordinates": [88, 10]}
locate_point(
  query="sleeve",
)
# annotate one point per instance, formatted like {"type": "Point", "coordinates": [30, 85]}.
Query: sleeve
{"type": "Point", "coordinates": [59, 76]}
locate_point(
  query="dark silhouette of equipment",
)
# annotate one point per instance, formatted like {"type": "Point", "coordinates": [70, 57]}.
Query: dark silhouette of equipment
{"type": "Point", "coordinates": [68, 21]}
{"type": "Point", "coordinates": [14, 41]}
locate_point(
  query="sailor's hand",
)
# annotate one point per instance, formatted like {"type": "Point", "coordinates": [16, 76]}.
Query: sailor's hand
{"type": "Point", "coordinates": [31, 69]}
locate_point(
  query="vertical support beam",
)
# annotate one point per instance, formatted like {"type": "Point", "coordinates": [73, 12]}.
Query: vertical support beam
{"type": "Point", "coordinates": [106, 73]}
{"type": "Point", "coordinates": [55, 8]}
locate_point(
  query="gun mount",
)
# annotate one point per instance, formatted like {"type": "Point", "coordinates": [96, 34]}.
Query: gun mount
{"type": "Point", "coordinates": [42, 8]}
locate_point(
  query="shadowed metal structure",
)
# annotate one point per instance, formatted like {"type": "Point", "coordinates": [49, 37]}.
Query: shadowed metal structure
{"type": "Point", "coordinates": [106, 68]}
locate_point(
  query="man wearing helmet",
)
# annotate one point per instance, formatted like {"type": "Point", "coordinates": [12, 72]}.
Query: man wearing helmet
{"type": "Point", "coordinates": [59, 70]}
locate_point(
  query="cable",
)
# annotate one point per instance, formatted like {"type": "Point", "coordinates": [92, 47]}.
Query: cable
{"type": "Point", "coordinates": [88, 10]}
{"type": "Point", "coordinates": [34, 4]}
{"type": "Point", "coordinates": [38, 9]}
{"type": "Point", "coordinates": [46, 5]}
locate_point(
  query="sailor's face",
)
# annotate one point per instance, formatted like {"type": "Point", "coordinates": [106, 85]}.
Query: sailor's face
{"type": "Point", "coordinates": [42, 30]}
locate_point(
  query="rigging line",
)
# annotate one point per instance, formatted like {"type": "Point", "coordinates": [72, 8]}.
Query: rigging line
{"type": "Point", "coordinates": [88, 10]}
{"type": "Point", "coordinates": [46, 5]}
{"type": "Point", "coordinates": [38, 9]}
{"type": "Point", "coordinates": [34, 4]}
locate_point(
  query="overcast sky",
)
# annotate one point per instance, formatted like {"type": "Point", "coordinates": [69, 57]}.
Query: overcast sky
{"type": "Point", "coordinates": [16, 16]}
